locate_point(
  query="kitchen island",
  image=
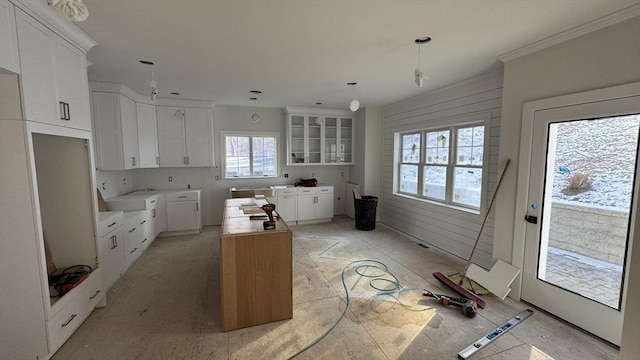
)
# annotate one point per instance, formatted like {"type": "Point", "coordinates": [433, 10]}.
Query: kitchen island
{"type": "Point", "coordinates": [255, 266]}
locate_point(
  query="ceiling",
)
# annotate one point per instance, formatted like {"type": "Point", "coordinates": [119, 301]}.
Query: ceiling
{"type": "Point", "coordinates": [302, 52]}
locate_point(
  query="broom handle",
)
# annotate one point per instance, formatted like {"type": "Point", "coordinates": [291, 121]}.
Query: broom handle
{"type": "Point", "coordinates": [504, 170]}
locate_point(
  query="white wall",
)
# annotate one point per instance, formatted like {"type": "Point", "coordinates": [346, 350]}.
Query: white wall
{"type": "Point", "coordinates": [367, 168]}
{"type": "Point", "coordinates": [603, 58]}
{"type": "Point", "coordinates": [214, 192]}
{"type": "Point", "coordinates": [447, 228]}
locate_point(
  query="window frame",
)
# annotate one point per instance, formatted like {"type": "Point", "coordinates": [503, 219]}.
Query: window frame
{"type": "Point", "coordinates": [250, 135]}
{"type": "Point", "coordinates": [452, 162]}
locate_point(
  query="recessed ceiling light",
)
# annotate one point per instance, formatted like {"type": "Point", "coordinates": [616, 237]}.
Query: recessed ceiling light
{"type": "Point", "coordinates": [255, 92]}
{"type": "Point", "coordinates": [174, 93]}
{"type": "Point", "coordinates": [147, 62]}
{"type": "Point", "coordinates": [422, 40]}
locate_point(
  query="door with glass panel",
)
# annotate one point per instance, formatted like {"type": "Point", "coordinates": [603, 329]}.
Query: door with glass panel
{"type": "Point", "coordinates": [582, 194]}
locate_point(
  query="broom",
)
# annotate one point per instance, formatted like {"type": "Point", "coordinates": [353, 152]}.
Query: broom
{"type": "Point", "coordinates": [472, 288]}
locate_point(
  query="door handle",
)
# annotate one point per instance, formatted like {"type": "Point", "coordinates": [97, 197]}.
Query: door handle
{"type": "Point", "coordinates": [62, 111]}
{"type": "Point", "coordinates": [531, 219]}
{"type": "Point", "coordinates": [68, 111]}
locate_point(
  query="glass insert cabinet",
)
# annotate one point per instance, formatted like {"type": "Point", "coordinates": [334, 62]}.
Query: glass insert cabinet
{"type": "Point", "coordinates": [319, 137]}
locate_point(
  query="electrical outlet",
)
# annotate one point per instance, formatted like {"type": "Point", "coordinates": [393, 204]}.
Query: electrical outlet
{"type": "Point", "coordinates": [313, 174]}
{"type": "Point", "coordinates": [124, 181]}
{"type": "Point", "coordinates": [341, 173]}
{"type": "Point", "coordinates": [286, 175]}
{"type": "Point", "coordinates": [170, 178]}
{"type": "Point", "coordinates": [104, 187]}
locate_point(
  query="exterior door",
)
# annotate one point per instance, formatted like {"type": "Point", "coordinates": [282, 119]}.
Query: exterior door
{"type": "Point", "coordinates": [583, 189]}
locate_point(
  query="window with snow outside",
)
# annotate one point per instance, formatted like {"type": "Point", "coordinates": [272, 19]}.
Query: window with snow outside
{"type": "Point", "coordinates": [250, 155]}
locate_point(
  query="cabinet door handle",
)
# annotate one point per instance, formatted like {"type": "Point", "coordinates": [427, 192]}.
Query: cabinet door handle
{"type": "Point", "coordinates": [184, 160]}
{"type": "Point", "coordinates": [197, 207]}
{"type": "Point", "coordinates": [182, 197]}
{"type": "Point", "coordinates": [187, 160]}
{"type": "Point", "coordinates": [62, 111]}
{"type": "Point", "coordinates": [144, 241]}
{"type": "Point", "coordinates": [157, 160]}
{"type": "Point", "coordinates": [134, 250]}
{"type": "Point", "coordinates": [68, 111]}
{"type": "Point", "coordinates": [94, 295]}
{"type": "Point", "coordinates": [132, 230]}
{"type": "Point", "coordinates": [113, 223]}
{"type": "Point", "coordinates": [113, 242]}
{"type": "Point", "coordinates": [154, 213]}
{"type": "Point", "coordinates": [152, 202]}
{"type": "Point", "coordinates": [143, 221]}
{"type": "Point", "coordinates": [70, 320]}
{"type": "Point", "coordinates": [133, 161]}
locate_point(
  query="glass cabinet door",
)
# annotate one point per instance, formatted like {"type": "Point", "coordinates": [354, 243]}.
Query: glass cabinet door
{"type": "Point", "coordinates": [314, 153]}
{"type": "Point", "coordinates": [297, 139]}
{"type": "Point", "coordinates": [346, 140]}
{"type": "Point", "coordinates": [331, 140]}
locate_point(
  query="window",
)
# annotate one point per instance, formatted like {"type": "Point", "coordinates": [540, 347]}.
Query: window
{"type": "Point", "coordinates": [447, 163]}
{"type": "Point", "coordinates": [250, 155]}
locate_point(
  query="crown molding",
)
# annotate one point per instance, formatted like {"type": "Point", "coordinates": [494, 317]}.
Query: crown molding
{"type": "Point", "coordinates": [317, 111]}
{"type": "Point", "coordinates": [51, 19]}
{"type": "Point", "coordinates": [597, 24]}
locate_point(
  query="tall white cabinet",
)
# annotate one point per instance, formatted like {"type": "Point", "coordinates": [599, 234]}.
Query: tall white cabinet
{"type": "Point", "coordinates": [185, 133]}
{"type": "Point", "coordinates": [47, 197]}
{"type": "Point", "coordinates": [319, 137]}
{"type": "Point", "coordinates": [116, 127]}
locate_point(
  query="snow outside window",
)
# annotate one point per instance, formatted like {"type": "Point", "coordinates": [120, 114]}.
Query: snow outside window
{"type": "Point", "coordinates": [250, 155]}
{"type": "Point", "coordinates": [443, 165]}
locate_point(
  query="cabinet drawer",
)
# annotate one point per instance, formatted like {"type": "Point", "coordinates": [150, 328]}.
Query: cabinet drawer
{"type": "Point", "coordinates": [61, 326]}
{"type": "Point", "coordinates": [288, 191]}
{"type": "Point", "coordinates": [182, 196]}
{"type": "Point", "coordinates": [315, 190]}
{"type": "Point", "coordinates": [132, 202]}
{"type": "Point", "coordinates": [110, 221]}
{"type": "Point", "coordinates": [93, 292]}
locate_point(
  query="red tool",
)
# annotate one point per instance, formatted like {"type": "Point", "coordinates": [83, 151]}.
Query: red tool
{"type": "Point", "coordinates": [271, 223]}
{"type": "Point", "coordinates": [469, 307]}
{"type": "Point", "coordinates": [459, 289]}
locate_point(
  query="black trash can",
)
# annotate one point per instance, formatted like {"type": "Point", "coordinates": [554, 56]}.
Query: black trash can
{"type": "Point", "coordinates": [366, 212]}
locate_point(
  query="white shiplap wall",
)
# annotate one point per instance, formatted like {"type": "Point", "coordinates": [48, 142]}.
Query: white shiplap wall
{"type": "Point", "coordinates": [446, 228]}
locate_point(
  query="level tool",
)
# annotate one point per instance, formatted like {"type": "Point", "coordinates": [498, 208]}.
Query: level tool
{"type": "Point", "coordinates": [494, 334]}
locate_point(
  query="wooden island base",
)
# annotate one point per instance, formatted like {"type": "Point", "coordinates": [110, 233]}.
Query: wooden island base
{"type": "Point", "coordinates": [255, 269]}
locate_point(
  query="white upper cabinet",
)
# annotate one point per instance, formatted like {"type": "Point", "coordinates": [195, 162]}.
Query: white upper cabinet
{"type": "Point", "coordinates": [185, 136]}
{"type": "Point", "coordinates": [147, 135]}
{"type": "Point", "coordinates": [9, 58]}
{"type": "Point", "coordinates": [116, 129]}
{"type": "Point", "coordinates": [54, 76]}
{"type": "Point", "coordinates": [319, 137]}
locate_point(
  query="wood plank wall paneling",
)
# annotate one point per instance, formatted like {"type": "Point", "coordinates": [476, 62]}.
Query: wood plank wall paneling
{"type": "Point", "coordinates": [446, 228]}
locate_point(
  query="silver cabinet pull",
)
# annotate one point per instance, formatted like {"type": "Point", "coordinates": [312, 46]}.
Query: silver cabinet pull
{"type": "Point", "coordinates": [152, 202]}
{"type": "Point", "coordinates": [62, 111]}
{"type": "Point", "coordinates": [133, 161]}
{"type": "Point", "coordinates": [132, 230]}
{"type": "Point", "coordinates": [132, 251]}
{"type": "Point", "coordinates": [70, 320]}
{"type": "Point", "coordinates": [145, 240]}
{"type": "Point", "coordinates": [184, 160]}
{"type": "Point", "coordinates": [182, 197]}
{"type": "Point", "coordinates": [113, 223]}
{"type": "Point", "coordinates": [197, 207]}
{"type": "Point", "coordinates": [143, 221]}
{"type": "Point", "coordinates": [68, 111]}
{"type": "Point", "coordinates": [154, 213]}
{"type": "Point", "coordinates": [94, 295]}
{"type": "Point", "coordinates": [113, 242]}
{"type": "Point", "coordinates": [157, 160]}
{"type": "Point", "coordinates": [187, 160]}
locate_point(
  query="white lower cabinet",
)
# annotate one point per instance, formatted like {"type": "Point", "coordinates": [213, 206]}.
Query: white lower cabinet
{"type": "Point", "coordinates": [135, 231]}
{"type": "Point", "coordinates": [183, 210]}
{"type": "Point", "coordinates": [315, 203]}
{"type": "Point", "coordinates": [112, 249]}
{"type": "Point", "coordinates": [287, 208]}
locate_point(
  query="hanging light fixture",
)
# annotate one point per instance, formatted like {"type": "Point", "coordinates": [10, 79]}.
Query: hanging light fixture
{"type": "Point", "coordinates": [255, 117]}
{"type": "Point", "coordinates": [419, 76]}
{"type": "Point", "coordinates": [153, 84]}
{"type": "Point", "coordinates": [354, 105]}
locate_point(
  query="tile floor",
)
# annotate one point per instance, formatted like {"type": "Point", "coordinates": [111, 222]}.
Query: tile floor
{"type": "Point", "coordinates": [167, 307]}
